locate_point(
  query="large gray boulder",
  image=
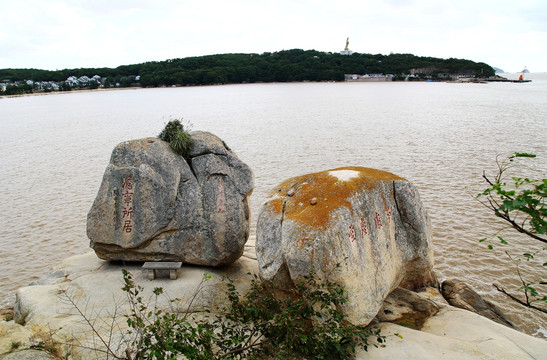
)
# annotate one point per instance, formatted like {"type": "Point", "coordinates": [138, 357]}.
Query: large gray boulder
{"type": "Point", "coordinates": [153, 205]}
{"type": "Point", "coordinates": [364, 229]}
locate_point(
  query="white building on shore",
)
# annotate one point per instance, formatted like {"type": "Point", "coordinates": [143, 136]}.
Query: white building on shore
{"type": "Point", "coordinates": [368, 77]}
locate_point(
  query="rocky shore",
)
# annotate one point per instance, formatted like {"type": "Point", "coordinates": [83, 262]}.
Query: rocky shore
{"type": "Point", "coordinates": [417, 325]}
{"type": "Point", "coordinates": [362, 229]}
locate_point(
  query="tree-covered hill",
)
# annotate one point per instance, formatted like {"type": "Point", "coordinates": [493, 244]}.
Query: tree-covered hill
{"type": "Point", "coordinates": [281, 66]}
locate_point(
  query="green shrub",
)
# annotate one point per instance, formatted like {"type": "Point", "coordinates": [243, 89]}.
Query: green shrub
{"type": "Point", "coordinates": [179, 139]}
{"type": "Point", "coordinates": [305, 325]}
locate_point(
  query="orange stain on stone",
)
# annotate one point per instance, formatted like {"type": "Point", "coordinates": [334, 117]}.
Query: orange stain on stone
{"type": "Point", "coordinates": [331, 192]}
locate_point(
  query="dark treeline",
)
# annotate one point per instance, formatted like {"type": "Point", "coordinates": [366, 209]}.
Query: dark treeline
{"type": "Point", "coordinates": [62, 75]}
{"type": "Point", "coordinates": [281, 66]}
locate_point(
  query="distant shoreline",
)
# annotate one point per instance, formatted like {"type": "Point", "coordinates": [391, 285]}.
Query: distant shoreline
{"type": "Point", "coordinates": [67, 92]}
{"type": "Point", "coordinates": [278, 82]}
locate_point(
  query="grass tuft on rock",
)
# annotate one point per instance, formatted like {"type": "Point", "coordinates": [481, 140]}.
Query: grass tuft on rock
{"type": "Point", "coordinates": [178, 138]}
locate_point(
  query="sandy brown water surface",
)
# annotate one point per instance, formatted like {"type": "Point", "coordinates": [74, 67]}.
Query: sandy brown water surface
{"type": "Point", "coordinates": [441, 136]}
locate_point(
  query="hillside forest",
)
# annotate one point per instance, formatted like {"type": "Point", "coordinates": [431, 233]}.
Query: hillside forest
{"type": "Point", "coordinates": [282, 66]}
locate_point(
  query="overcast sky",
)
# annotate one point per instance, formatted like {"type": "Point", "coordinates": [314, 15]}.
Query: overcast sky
{"type": "Point", "coordinates": [59, 34]}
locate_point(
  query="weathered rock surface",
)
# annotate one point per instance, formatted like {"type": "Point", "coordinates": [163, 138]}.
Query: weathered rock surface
{"type": "Point", "coordinates": [455, 334]}
{"type": "Point", "coordinates": [407, 308]}
{"type": "Point", "coordinates": [461, 295]}
{"type": "Point", "coordinates": [96, 285]}
{"type": "Point", "coordinates": [364, 229]}
{"type": "Point", "coordinates": [153, 205]}
{"type": "Point", "coordinates": [449, 333]}
{"type": "Point", "coordinates": [12, 336]}
{"type": "Point", "coordinates": [423, 326]}
{"type": "Point", "coordinates": [28, 355]}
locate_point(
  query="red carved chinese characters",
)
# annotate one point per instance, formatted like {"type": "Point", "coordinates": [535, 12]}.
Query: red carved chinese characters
{"type": "Point", "coordinates": [127, 213]}
{"type": "Point", "coordinates": [127, 226]}
{"type": "Point", "coordinates": [127, 182]}
{"type": "Point", "coordinates": [351, 233]}
{"type": "Point", "coordinates": [363, 227]}
{"type": "Point", "coordinates": [388, 214]}
{"type": "Point", "coordinates": [378, 221]}
{"type": "Point", "coordinates": [127, 197]}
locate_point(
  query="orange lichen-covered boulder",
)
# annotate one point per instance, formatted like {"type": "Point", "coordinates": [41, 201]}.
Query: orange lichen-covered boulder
{"type": "Point", "coordinates": [364, 229]}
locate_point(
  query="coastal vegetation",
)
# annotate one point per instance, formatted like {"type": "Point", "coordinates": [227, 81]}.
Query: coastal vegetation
{"type": "Point", "coordinates": [521, 203]}
{"type": "Point", "coordinates": [302, 323]}
{"type": "Point", "coordinates": [280, 66]}
{"type": "Point", "coordinates": [178, 138]}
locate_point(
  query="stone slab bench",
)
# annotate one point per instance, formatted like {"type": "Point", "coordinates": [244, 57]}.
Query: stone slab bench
{"type": "Point", "coordinates": [152, 266]}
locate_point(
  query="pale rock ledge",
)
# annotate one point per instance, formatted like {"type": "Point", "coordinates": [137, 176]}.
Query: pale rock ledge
{"type": "Point", "coordinates": [96, 285]}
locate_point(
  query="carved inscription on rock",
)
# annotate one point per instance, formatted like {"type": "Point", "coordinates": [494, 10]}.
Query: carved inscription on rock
{"type": "Point", "coordinates": [128, 190]}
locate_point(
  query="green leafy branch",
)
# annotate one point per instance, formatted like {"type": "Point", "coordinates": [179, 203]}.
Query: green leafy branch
{"type": "Point", "coordinates": [531, 295]}
{"type": "Point", "coordinates": [521, 203]}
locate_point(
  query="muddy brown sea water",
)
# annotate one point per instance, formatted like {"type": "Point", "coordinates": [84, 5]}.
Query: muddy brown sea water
{"type": "Point", "coordinates": [441, 136]}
